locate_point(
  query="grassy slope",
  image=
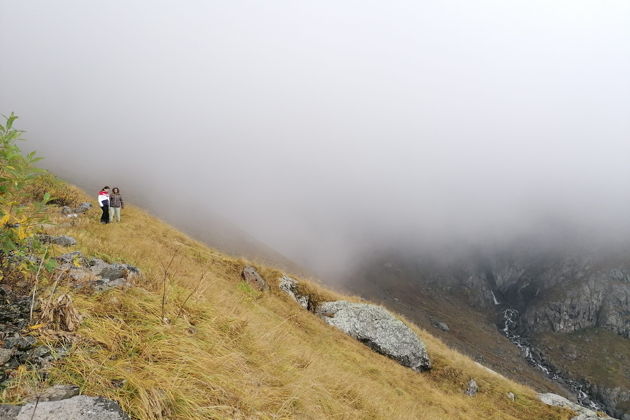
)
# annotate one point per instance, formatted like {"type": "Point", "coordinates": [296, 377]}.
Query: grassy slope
{"type": "Point", "coordinates": [234, 353]}
{"type": "Point", "coordinates": [594, 354]}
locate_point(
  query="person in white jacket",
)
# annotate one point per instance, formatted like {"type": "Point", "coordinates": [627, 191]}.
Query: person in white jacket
{"type": "Point", "coordinates": [103, 201]}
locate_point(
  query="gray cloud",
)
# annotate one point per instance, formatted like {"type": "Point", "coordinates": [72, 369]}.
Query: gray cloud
{"type": "Point", "coordinates": [325, 127]}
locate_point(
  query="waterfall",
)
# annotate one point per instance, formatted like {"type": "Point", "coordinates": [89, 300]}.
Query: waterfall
{"type": "Point", "coordinates": [494, 298]}
{"type": "Point", "coordinates": [510, 330]}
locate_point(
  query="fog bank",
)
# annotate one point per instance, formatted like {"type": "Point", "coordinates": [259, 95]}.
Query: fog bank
{"type": "Point", "coordinates": [328, 128]}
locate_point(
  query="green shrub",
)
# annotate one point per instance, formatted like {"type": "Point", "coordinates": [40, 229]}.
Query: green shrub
{"type": "Point", "coordinates": [19, 216]}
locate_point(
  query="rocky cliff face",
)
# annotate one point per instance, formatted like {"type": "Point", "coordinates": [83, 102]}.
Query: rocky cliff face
{"type": "Point", "coordinates": [597, 300]}
{"type": "Point", "coordinates": [560, 294]}
{"type": "Point", "coordinates": [564, 295]}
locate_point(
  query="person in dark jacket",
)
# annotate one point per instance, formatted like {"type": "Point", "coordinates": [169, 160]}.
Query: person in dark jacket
{"type": "Point", "coordinates": [115, 204]}
{"type": "Point", "coordinates": [103, 201]}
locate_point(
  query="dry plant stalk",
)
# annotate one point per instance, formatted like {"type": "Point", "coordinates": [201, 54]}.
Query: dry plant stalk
{"type": "Point", "coordinates": [39, 269]}
{"type": "Point", "coordinates": [60, 314]}
{"type": "Point", "coordinates": [183, 305]}
{"type": "Point", "coordinates": [166, 275]}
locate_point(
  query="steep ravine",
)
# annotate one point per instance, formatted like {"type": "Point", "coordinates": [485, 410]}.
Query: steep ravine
{"type": "Point", "coordinates": [537, 359]}
{"type": "Point", "coordinates": [542, 300]}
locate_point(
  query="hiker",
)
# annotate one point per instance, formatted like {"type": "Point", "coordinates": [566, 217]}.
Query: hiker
{"type": "Point", "coordinates": [115, 204]}
{"type": "Point", "coordinates": [103, 201]}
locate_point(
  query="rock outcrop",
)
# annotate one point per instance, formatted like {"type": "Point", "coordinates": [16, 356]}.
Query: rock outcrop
{"type": "Point", "coordinates": [18, 348]}
{"type": "Point", "coordinates": [96, 273]}
{"type": "Point", "coordinates": [79, 407]}
{"type": "Point", "coordinates": [583, 413]}
{"type": "Point", "coordinates": [292, 288]}
{"type": "Point", "coordinates": [602, 299]}
{"type": "Point", "coordinates": [377, 328]}
{"type": "Point", "coordinates": [69, 211]}
{"type": "Point", "coordinates": [62, 240]}
{"type": "Point", "coordinates": [613, 398]}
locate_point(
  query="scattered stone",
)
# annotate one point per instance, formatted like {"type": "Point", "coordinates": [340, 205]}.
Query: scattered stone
{"type": "Point", "coordinates": [291, 288]}
{"type": "Point", "coordinates": [511, 396]}
{"type": "Point", "coordinates": [105, 284]}
{"type": "Point", "coordinates": [95, 272]}
{"type": "Point", "coordinates": [441, 326]}
{"type": "Point", "coordinates": [251, 276]}
{"type": "Point", "coordinates": [41, 351]}
{"type": "Point", "coordinates": [5, 355]}
{"type": "Point", "coordinates": [20, 343]}
{"type": "Point", "coordinates": [583, 413]}
{"type": "Point", "coordinates": [472, 388]}
{"type": "Point", "coordinates": [80, 407]}
{"type": "Point", "coordinates": [70, 257]}
{"type": "Point", "coordinates": [118, 383]}
{"type": "Point", "coordinates": [62, 240]}
{"type": "Point", "coordinates": [83, 207]}
{"type": "Point", "coordinates": [9, 411]}
{"type": "Point", "coordinates": [73, 212]}
{"type": "Point", "coordinates": [56, 393]}
{"type": "Point", "coordinates": [377, 328]}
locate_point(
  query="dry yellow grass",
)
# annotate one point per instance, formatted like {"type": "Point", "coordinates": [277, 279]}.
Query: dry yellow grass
{"type": "Point", "coordinates": [235, 353]}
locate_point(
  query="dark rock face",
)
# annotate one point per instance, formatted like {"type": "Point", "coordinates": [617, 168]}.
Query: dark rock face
{"type": "Point", "coordinates": [251, 276]}
{"type": "Point", "coordinates": [578, 297]}
{"type": "Point", "coordinates": [612, 398]}
{"type": "Point", "coordinates": [379, 330]}
{"type": "Point", "coordinates": [19, 349]}
{"type": "Point", "coordinates": [563, 295]}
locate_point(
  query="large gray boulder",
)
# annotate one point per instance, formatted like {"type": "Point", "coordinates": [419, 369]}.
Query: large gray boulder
{"type": "Point", "coordinates": [80, 407]}
{"type": "Point", "coordinates": [377, 328]}
{"type": "Point", "coordinates": [582, 413]}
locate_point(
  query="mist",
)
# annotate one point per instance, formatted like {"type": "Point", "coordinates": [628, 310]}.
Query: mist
{"type": "Point", "coordinates": [328, 129]}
